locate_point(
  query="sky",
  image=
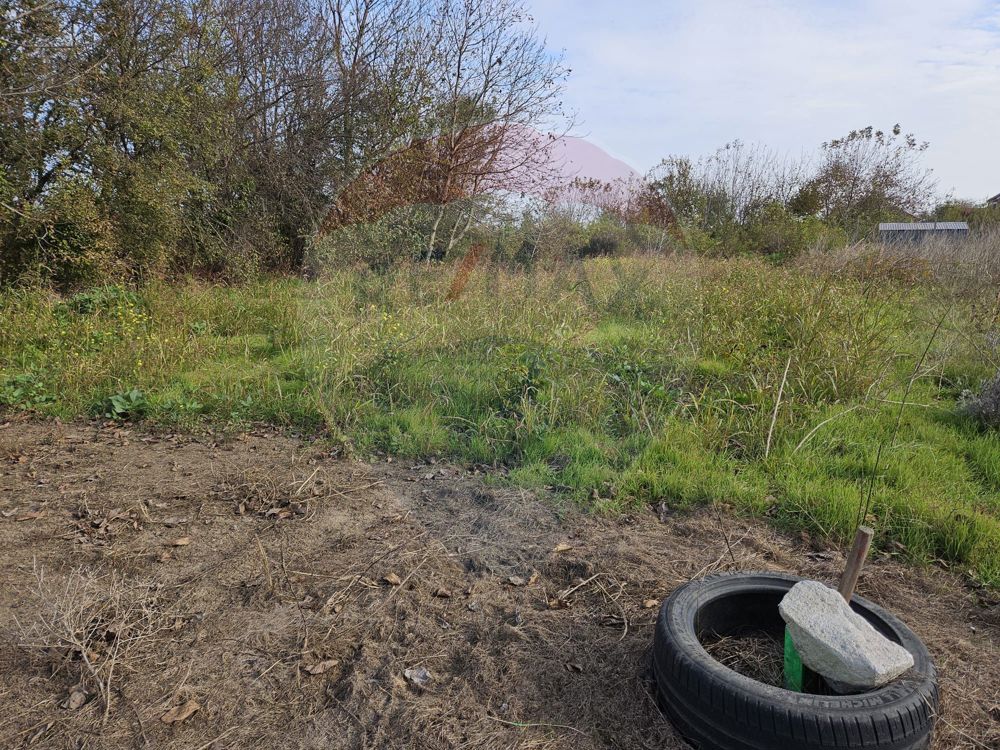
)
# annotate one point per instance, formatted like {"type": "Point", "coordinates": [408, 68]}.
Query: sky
{"type": "Point", "coordinates": [651, 78]}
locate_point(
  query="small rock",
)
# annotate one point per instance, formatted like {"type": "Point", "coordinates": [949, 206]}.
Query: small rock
{"type": "Point", "coordinates": [392, 579]}
{"type": "Point", "coordinates": [75, 700]}
{"type": "Point", "coordinates": [516, 580]}
{"type": "Point", "coordinates": [649, 603]}
{"type": "Point", "coordinates": [418, 676]}
{"type": "Point", "coordinates": [838, 643]}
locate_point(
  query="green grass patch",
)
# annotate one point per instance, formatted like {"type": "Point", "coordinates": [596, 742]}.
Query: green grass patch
{"type": "Point", "coordinates": [617, 382]}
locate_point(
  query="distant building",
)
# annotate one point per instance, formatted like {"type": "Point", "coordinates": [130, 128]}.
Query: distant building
{"type": "Point", "coordinates": [891, 232]}
{"type": "Point", "coordinates": [994, 201]}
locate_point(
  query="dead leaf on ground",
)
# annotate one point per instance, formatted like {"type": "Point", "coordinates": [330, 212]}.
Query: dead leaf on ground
{"type": "Point", "coordinates": [392, 579]}
{"type": "Point", "coordinates": [442, 593]}
{"type": "Point", "coordinates": [322, 666]}
{"type": "Point", "coordinates": [516, 580]}
{"type": "Point", "coordinates": [572, 666]}
{"type": "Point", "coordinates": [649, 603]}
{"type": "Point", "coordinates": [183, 541]}
{"type": "Point", "coordinates": [180, 713]}
{"type": "Point", "coordinates": [562, 547]}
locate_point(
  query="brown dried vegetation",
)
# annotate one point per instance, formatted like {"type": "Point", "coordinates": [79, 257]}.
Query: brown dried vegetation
{"type": "Point", "coordinates": [327, 627]}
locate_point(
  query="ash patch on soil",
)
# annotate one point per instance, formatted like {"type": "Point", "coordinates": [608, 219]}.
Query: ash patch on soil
{"type": "Point", "coordinates": [482, 526]}
{"type": "Point", "coordinates": [300, 601]}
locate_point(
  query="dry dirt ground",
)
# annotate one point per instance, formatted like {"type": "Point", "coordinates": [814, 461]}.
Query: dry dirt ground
{"type": "Point", "coordinates": [254, 592]}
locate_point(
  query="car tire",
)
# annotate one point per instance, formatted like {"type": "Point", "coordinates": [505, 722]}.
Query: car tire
{"type": "Point", "coordinates": [716, 708]}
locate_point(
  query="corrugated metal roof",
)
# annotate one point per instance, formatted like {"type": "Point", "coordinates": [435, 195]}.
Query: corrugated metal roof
{"type": "Point", "coordinates": [923, 226]}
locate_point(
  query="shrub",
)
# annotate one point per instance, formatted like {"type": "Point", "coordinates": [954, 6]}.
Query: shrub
{"type": "Point", "coordinates": [102, 298]}
{"type": "Point", "coordinates": [94, 626]}
{"type": "Point", "coordinates": [606, 236]}
{"type": "Point", "coordinates": [985, 406]}
{"type": "Point", "coordinates": [376, 245]}
{"type": "Point", "coordinates": [599, 244]}
{"type": "Point", "coordinates": [67, 242]}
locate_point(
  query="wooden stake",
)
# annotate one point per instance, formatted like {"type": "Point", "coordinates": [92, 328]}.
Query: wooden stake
{"type": "Point", "coordinates": [862, 543]}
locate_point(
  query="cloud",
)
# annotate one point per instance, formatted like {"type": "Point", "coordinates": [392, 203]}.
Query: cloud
{"type": "Point", "coordinates": [655, 78]}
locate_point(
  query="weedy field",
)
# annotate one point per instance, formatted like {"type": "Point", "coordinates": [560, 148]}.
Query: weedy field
{"type": "Point", "coordinates": [811, 394]}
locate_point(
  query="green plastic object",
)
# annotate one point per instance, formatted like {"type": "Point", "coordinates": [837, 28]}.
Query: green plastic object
{"type": "Point", "coordinates": [793, 666]}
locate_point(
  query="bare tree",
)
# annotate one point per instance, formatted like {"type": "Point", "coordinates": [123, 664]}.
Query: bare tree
{"type": "Point", "coordinates": [494, 80]}
{"type": "Point", "coordinates": [868, 176]}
